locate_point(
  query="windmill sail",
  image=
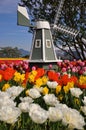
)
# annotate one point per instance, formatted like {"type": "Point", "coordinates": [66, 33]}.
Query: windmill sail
{"type": "Point", "coordinates": [22, 16]}
{"type": "Point", "coordinates": [58, 12]}
{"type": "Point", "coordinates": [66, 30]}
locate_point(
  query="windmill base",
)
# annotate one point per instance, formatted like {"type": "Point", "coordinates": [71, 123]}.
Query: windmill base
{"type": "Point", "coordinates": [46, 66]}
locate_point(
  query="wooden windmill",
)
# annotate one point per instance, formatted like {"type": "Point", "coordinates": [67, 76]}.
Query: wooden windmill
{"type": "Point", "coordinates": [42, 51]}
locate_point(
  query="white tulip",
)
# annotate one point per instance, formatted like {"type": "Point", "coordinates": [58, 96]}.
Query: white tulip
{"type": "Point", "coordinates": [84, 101]}
{"type": "Point", "coordinates": [83, 109]}
{"type": "Point", "coordinates": [9, 114]}
{"type": "Point", "coordinates": [5, 100]}
{"type": "Point", "coordinates": [25, 103]}
{"type": "Point", "coordinates": [34, 93]}
{"type": "Point", "coordinates": [76, 92]}
{"type": "Point", "coordinates": [4, 95]}
{"type": "Point", "coordinates": [26, 99]}
{"type": "Point", "coordinates": [50, 99]}
{"type": "Point", "coordinates": [73, 119]}
{"type": "Point", "coordinates": [40, 89]}
{"type": "Point", "coordinates": [14, 91]}
{"type": "Point", "coordinates": [8, 102]}
{"type": "Point", "coordinates": [34, 106]}
{"type": "Point", "coordinates": [52, 84]}
{"type": "Point", "coordinates": [55, 114]}
{"type": "Point", "coordinates": [24, 106]}
{"type": "Point", "coordinates": [37, 114]}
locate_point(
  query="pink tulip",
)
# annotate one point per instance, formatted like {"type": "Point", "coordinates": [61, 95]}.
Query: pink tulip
{"type": "Point", "coordinates": [59, 64]}
{"type": "Point", "coordinates": [81, 72]}
{"type": "Point", "coordinates": [81, 63]}
{"type": "Point", "coordinates": [74, 69]}
{"type": "Point", "coordinates": [50, 66]}
{"type": "Point", "coordinates": [33, 68]}
{"type": "Point", "coordinates": [63, 69]}
{"type": "Point", "coordinates": [84, 68]}
{"type": "Point", "coordinates": [3, 66]}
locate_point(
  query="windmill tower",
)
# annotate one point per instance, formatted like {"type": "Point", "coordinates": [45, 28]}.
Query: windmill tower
{"type": "Point", "coordinates": [42, 51]}
{"type": "Point", "coordinates": [42, 47]}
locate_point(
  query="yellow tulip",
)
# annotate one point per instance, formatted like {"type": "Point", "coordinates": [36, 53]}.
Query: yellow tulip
{"type": "Point", "coordinates": [5, 87]}
{"type": "Point", "coordinates": [45, 90]}
{"type": "Point", "coordinates": [58, 89]}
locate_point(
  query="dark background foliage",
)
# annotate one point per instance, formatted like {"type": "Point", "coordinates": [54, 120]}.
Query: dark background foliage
{"type": "Point", "coordinates": [73, 15]}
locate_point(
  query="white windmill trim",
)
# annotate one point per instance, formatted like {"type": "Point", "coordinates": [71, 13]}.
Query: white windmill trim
{"type": "Point", "coordinates": [23, 11]}
{"type": "Point", "coordinates": [41, 24]}
{"type": "Point", "coordinates": [46, 61]}
{"type": "Point", "coordinates": [43, 44]}
{"type": "Point", "coordinates": [48, 45]}
{"type": "Point", "coordinates": [33, 39]}
{"type": "Point", "coordinates": [38, 46]}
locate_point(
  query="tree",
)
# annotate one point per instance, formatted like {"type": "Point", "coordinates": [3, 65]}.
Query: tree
{"type": "Point", "coordinates": [73, 15]}
{"type": "Point", "coordinates": [9, 52]}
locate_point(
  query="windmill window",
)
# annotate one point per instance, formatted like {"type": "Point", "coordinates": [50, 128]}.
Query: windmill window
{"type": "Point", "coordinates": [48, 43]}
{"type": "Point", "coordinates": [38, 43]}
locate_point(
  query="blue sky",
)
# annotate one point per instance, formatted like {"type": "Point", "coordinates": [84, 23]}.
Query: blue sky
{"type": "Point", "coordinates": [10, 33]}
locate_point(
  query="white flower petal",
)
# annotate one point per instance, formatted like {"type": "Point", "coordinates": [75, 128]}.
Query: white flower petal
{"type": "Point", "coordinates": [76, 92]}
{"type": "Point", "coordinates": [52, 84]}
{"type": "Point", "coordinates": [50, 99]}
{"type": "Point", "coordinates": [37, 114]}
{"type": "Point", "coordinates": [55, 114]}
{"type": "Point", "coordinates": [84, 101]}
{"type": "Point", "coordinates": [34, 93]}
{"type": "Point", "coordinates": [14, 91]}
{"type": "Point", "coordinates": [83, 109]}
{"type": "Point", "coordinates": [24, 106]}
{"type": "Point", "coordinates": [9, 114]}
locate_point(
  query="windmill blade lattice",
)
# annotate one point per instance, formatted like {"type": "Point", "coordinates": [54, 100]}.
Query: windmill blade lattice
{"type": "Point", "coordinates": [66, 30]}
{"type": "Point", "coordinates": [58, 12]}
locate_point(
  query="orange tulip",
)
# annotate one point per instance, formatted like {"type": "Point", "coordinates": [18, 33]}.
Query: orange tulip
{"type": "Point", "coordinates": [52, 75]}
{"type": "Point", "coordinates": [8, 73]}
{"type": "Point", "coordinates": [40, 73]}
